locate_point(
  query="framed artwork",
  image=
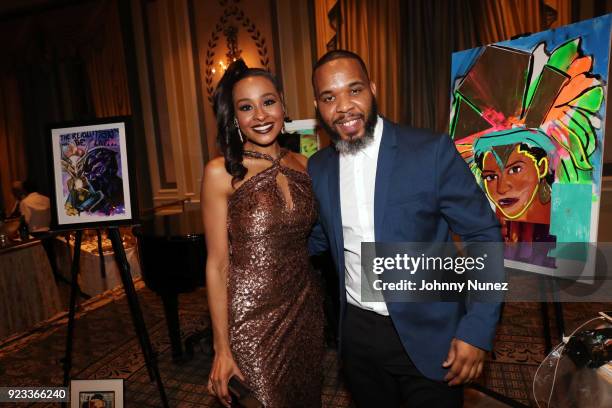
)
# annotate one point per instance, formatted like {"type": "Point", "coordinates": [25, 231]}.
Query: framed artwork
{"type": "Point", "coordinates": [528, 116]}
{"type": "Point", "coordinates": [96, 393]}
{"type": "Point", "coordinates": [306, 132]}
{"type": "Point", "coordinates": [91, 171]}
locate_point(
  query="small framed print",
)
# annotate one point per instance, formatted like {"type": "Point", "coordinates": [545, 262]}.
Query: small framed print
{"type": "Point", "coordinates": [93, 184]}
{"type": "Point", "coordinates": [96, 393]}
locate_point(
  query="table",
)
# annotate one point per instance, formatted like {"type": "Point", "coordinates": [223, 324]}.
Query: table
{"type": "Point", "coordinates": [28, 292]}
{"type": "Point", "coordinates": [91, 280]}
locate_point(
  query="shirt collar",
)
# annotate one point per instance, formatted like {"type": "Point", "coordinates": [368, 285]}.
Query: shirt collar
{"type": "Point", "coordinates": [371, 150]}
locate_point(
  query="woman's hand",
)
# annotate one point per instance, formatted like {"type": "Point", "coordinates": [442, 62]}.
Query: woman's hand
{"type": "Point", "coordinates": [223, 368]}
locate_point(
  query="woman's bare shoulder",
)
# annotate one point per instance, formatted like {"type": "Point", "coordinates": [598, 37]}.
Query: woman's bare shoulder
{"type": "Point", "coordinates": [216, 176]}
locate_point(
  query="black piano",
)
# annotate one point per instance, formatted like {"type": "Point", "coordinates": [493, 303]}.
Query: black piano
{"type": "Point", "coordinates": [173, 260]}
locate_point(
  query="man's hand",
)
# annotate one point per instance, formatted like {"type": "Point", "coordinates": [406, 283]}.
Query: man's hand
{"type": "Point", "coordinates": [465, 362]}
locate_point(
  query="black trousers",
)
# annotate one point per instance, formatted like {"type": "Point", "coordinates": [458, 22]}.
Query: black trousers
{"type": "Point", "coordinates": [379, 372]}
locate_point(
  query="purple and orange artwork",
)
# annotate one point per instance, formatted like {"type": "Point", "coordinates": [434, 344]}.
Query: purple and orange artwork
{"type": "Point", "coordinates": [528, 116]}
{"type": "Point", "coordinates": [90, 168]}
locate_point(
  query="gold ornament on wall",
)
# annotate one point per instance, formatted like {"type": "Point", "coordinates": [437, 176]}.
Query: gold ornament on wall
{"type": "Point", "coordinates": [231, 21]}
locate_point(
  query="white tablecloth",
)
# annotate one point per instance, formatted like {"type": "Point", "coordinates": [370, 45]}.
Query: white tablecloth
{"type": "Point", "coordinates": [28, 293]}
{"type": "Point", "coordinates": [90, 276]}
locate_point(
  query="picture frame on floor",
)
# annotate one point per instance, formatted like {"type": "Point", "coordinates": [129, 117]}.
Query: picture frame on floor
{"type": "Point", "coordinates": [106, 393]}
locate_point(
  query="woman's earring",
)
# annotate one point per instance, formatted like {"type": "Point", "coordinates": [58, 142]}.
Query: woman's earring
{"type": "Point", "coordinates": [544, 192]}
{"type": "Point", "coordinates": [238, 128]}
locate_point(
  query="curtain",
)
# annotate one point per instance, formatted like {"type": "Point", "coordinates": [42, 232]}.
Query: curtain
{"type": "Point", "coordinates": [62, 64]}
{"type": "Point", "coordinates": [372, 30]}
{"type": "Point", "coordinates": [106, 70]}
{"type": "Point", "coordinates": [12, 151]}
{"type": "Point", "coordinates": [325, 29]}
{"type": "Point", "coordinates": [503, 19]}
{"type": "Point", "coordinates": [433, 30]}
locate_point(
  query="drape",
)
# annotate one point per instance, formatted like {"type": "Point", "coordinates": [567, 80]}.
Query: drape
{"type": "Point", "coordinates": [106, 71]}
{"type": "Point", "coordinates": [503, 19]}
{"type": "Point", "coordinates": [372, 30]}
{"type": "Point", "coordinates": [77, 54]}
{"type": "Point", "coordinates": [12, 153]}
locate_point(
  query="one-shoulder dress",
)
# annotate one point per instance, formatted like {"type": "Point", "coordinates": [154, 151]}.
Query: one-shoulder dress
{"type": "Point", "coordinates": [274, 297]}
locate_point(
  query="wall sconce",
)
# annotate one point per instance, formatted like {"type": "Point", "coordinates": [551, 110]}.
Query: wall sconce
{"type": "Point", "coordinates": [230, 22]}
{"type": "Point", "coordinates": [233, 52]}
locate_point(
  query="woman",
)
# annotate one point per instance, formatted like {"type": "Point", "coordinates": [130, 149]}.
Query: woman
{"type": "Point", "coordinates": [516, 173]}
{"type": "Point", "coordinates": [258, 209]}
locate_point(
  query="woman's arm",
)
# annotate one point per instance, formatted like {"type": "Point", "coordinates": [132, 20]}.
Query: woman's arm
{"type": "Point", "coordinates": [216, 188]}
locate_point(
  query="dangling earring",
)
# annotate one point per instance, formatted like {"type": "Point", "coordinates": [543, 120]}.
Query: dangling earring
{"type": "Point", "coordinates": [544, 191]}
{"type": "Point", "coordinates": [238, 128]}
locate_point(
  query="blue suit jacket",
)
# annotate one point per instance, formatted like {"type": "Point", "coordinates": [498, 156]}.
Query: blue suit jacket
{"type": "Point", "coordinates": [423, 188]}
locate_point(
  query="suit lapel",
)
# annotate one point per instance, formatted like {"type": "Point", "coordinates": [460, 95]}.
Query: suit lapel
{"type": "Point", "coordinates": [333, 184]}
{"type": "Point", "coordinates": [384, 167]}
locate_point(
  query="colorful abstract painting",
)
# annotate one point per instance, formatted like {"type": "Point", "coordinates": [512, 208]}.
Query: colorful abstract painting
{"type": "Point", "coordinates": [307, 131]}
{"type": "Point", "coordinates": [528, 116]}
{"type": "Point", "coordinates": [91, 175]}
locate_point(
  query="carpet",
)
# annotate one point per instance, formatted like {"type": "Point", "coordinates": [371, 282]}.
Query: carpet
{"type": "Point", "coordinates": [105, 346]}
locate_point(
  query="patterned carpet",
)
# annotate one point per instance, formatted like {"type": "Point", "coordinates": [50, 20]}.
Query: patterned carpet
{"type": "Point", "coordinates": [106, 347]}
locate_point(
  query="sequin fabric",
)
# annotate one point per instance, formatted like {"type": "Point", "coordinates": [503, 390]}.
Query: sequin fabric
{"type": "Point", "coordinates": [275, 301]}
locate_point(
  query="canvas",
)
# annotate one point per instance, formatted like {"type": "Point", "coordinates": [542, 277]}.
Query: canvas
{"type": "Point", "coordinates": [91, 175]}
{"type": "Point", "coordinates": [528, 115]}
{"type": "Point", "coordinates": [307, 131]}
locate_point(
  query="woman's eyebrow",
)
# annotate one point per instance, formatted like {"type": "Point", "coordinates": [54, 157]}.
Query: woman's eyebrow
{"type": "Point", "coordinates": [514, 162]}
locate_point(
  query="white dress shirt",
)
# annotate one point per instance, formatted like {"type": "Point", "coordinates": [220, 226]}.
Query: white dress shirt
{"type": "Point", "coordinates": [357, 180]}
{"type": "Point", "coordinates": [36, 209]}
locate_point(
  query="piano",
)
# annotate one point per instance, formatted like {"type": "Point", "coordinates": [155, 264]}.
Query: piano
{"type": "Point", "coordinates": [173, 259]}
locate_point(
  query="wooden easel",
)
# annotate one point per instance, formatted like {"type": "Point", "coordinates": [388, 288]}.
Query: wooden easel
{"type": "Point", "coordinates": [137, 319]}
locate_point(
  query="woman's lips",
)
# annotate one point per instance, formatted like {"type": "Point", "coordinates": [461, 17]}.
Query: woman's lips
{"type": "Point", "coordinates": [263, 129]}
{"type": "Point", "coordinates": [507, 202]}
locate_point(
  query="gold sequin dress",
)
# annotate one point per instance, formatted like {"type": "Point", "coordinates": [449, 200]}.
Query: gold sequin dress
{"type": "Point", "coordinates": [275, 302]}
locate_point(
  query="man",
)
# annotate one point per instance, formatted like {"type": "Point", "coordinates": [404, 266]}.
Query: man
{"type": "Point", "coordinates": [19, 194]}
{"type": "Point", "coordinates": [381, 182]}
{"type": "Point", "coordinates": [35, 207]}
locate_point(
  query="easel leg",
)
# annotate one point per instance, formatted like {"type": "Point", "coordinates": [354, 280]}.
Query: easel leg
{"type": "Point", "coordinates": [546, 328]}
{"type": "Point", "coordinates": [136, 312]}
{"type": "Point", "coordinates": [74, 290]}
{"type": "Point", "coordinates": [101, 253]}
{"type": "Point", "coordinates": [544, 288]}
{"type": "Point", "coordinates": [559, 316]}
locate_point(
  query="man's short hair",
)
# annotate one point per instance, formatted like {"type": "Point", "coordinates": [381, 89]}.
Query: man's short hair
{"type": "Point", "coordinates": [338, 54]}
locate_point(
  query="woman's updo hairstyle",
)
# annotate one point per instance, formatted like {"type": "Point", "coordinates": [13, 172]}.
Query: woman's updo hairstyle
{"type": "Point", "coordinates": [228, 138]}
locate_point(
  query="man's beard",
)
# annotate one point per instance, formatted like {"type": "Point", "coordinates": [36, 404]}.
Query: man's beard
{"type": "Point", "coordinates": [354, 145]}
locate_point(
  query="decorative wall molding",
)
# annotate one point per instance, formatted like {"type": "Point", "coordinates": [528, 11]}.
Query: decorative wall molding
{"type": "Point", "coordinates": [170, 104]}
{"type": "Point", "coordinates": [232, 14]}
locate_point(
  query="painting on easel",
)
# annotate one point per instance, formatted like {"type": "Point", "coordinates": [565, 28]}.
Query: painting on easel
{"type": "Point", "coordinates": [528, 115]}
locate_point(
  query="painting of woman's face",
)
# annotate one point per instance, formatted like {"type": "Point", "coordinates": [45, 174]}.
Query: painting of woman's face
{"type": "Point", "coordinates": [513, 188]}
